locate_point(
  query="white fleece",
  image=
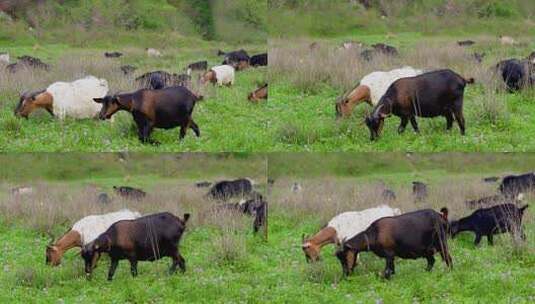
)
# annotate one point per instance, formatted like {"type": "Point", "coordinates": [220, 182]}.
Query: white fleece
{"type": "Point", "coordinates": [378, 82]}
{"type": "Point", "coordinates": [224, 74]}
{"type": "Point", "coordinates": [153, 52]}
{"type": "Point", "coordinates": [90, 227]}
{"type": "Point", "coordinates": [349, 224]}
{"type": "Point", "coordinates": [75, 99]}
{"type": "Point", "coordinates": [4, 57]}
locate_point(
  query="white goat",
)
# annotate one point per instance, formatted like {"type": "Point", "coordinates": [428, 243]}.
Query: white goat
{"type": "Point", "coordinates": [85, 231]}
{"type": "Point", "coordinates": [66, 99]}
{"type": "Point", "coordinates": [372, 87]}
{"type": "Point", "coordinates": [221, 74]}
{"type": "Point", "coordinates": [378, 82]}
{"type": "Point", "coordinates": [344, 226]}
{"type": "Point", "coordinates": [153, 52]}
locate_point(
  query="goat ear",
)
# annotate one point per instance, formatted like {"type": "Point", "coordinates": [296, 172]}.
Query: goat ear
{"type": "Point", "coordinates": [186, 217]}
{"type": "Point", "coordinates": [98, 100]}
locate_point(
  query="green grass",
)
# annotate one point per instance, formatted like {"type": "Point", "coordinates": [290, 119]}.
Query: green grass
{"type": "Point", "coordinates": [274, 271]}
{"type": "Point", "coordinates": [228, 122]}
{"type": "Point", "coordinates": [306, 112]}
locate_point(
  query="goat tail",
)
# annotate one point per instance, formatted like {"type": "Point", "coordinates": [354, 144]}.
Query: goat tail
{"type": "Point", "coordinates": [523, 208]}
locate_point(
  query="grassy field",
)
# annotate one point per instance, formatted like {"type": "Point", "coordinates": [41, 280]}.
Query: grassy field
{"type": "Point", "coordinates": [226, 263]}
{"type": "Point", "coordinates": [304, 92]}
{"type": "Point", "coordinates": [220, 249]}
{"type": "Point", "coordinates": [228, 122]}
{"type": "Point", "coordinates": [499, 274]}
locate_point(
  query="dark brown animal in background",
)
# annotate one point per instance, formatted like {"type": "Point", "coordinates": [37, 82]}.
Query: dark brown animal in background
{"type": "Point", "coordinates": [27, 62]}
{"type": "Point", "coordinates": [258, 94]}
{"type": "Point", "coordinates": [419, 191]}
{"type": "Point", "coordinates": [411, 235]}
{"type": "Point", "coordinates": [147, 238]}
{"type": "Point", "coordinates": [113, 54]}
{"type": "Point", "coordinates": [129, 192]}
{"type": "Point", "coordinates": [166, 109]}
{"type": "Point", "coordinates": [466, 42]}
{"type": "Point", "coordinates": [128, 69]}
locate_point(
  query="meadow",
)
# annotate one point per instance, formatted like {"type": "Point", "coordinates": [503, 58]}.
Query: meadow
{"type": "Point", "coordinates": [227, 263]}
{"type": "Point", "coordinates": [222, 253]}
{"type": "Point", "coordinates": [227, 120]}
{"type": "Point", "coordinates": [305, 91]}
{"type": "Point", "coordinates": [502, 273]}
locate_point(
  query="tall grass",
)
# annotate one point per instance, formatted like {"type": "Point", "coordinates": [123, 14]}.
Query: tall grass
{"type": "Point", "coordinates": [51, 209]}
{"type": "Point", "coordinates": [323, 198]}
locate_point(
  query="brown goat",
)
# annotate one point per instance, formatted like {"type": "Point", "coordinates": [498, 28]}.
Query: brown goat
{"type": "Point", "coordinates": [258, 94]}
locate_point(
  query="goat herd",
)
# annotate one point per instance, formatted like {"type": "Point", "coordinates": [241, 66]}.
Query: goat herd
{"type": "Point", "coordinates": [127, 234]}
{"type": "Point", "coordinates": [383, 230]}
{"type": "Point", "coordinates": [388, 233]}
{"type": "Point", "coordinates": [409, 93]}
{"type": "Point", "coordinates": [164, 100]}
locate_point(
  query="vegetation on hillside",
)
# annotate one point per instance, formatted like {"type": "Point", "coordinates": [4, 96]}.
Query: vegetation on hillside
{"type": "Point", "coordinates": [58, 20]}
{"type": "Point", "coordinates": [334, 17]}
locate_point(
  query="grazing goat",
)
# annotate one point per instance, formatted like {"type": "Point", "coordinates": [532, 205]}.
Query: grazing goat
{"type": "Point", "coordinates": [160, 79]}
{"type": "Point", "coordinates": [516, 74]}
{"type": "Point", "coordinates": [113, 54]}
{"type": "Point", "coordinates": [23, 190]}
{"type": "Point", "coordinates": [203, 184]}
{"type": "Point", "coordinates": [419, 191]}
{"type": "Point", "coordinates": [129, 192]}
{"type": "Point", "coordinates": [388, 195]}
{"type": "Point", "coordinates": [234, 58]}
{"type": "Point", "coordinates": [343, 226]}
{"type": "Point", "coordinates": [411, 235]}
{"type": "Point", "coordinates": [166, 108]}
{"type": "Point", "coordinates": [197, 66]}
{"type": "Point", "coordinates": [259, 60]}
{"type": "Point", "coordinates": [489, 221]}
{"type": "Point", "coordinates": [488, 201]}
{"type": "Point", "coordinates": [221, 74]}
{"type": "Point", "coordinates": [512, 185]}
{"type": "Point", "coordinates": [371, 88]}
{"type": "Point", "coordinates": [128, 69]}
{"type": "Point", "coordinates": [83, 232]}
{"type": "Point", "coordinates": [66, 99]}
{"type": "Point", "coordinates": [259, 94]}
{"type": "Point", "coordinates": [147, 238]}
{"type": "Point", "coordinates": [466, 42]}
{"type": "Point", "coordinates": [27, 62]}
{"type": "Point", "coordinates": [491, 179]}
{"type": "Point", "coordinates": [437, 93]}
{"type": "Point", "coordinates": [255, 206]}
{"type": "Point", "coordinates": [103, 198]}
{"type": "Point", "coordinates": [506, 40]}
{"type": "Point", "coordinates": [224, 190]}
{"type": "Point", "coordinates": [151, 52]}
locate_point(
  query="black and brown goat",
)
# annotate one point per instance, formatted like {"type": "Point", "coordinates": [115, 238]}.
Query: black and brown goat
{"type": "Point", "coordinates": [166, 109]}
{"type": "Point", "coordinates": [147, 238]}
{"type": "Point", "coordinates": [411, 235]}
{"type": "Point", "coordinates": [437, 93]}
